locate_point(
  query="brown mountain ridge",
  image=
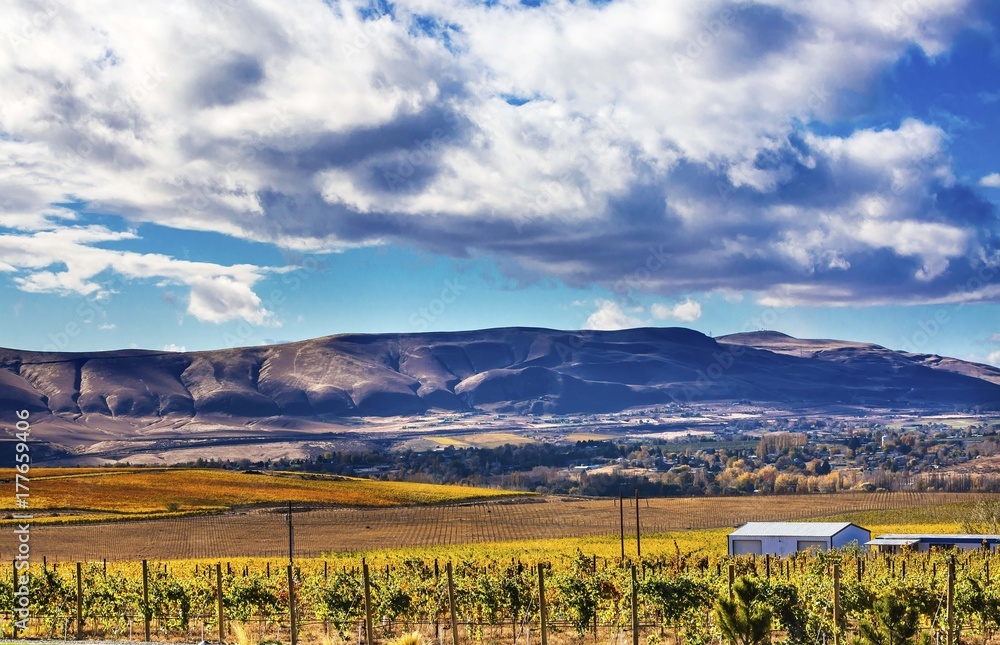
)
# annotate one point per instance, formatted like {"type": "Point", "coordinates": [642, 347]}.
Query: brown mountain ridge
{"type": "Point", "coordinates": [84, 396]}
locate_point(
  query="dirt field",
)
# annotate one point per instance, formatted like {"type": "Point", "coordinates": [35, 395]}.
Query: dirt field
{"type": "Point", "coordinates": [264, 532]}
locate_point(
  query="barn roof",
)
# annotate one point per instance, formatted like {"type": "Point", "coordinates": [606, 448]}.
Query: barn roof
{"type": "Point", "coordinates": [892, 541]}
{"type": "Point", "coordinates": [792, 529]}
{"type": "Point", "coordinates": [938, 537]}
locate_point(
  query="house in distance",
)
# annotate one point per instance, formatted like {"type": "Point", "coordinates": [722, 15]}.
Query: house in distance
{"type": "Point", "coordinates": [786, 538]}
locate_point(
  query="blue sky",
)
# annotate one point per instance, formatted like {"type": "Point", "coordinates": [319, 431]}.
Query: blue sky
{"type": "Point", "coordinates": [215, 175]}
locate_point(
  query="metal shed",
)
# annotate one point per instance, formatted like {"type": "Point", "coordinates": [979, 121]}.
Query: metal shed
{"type": "Point", "coordinates": [786, 538]}
{"type": "Point", "coordinates": [892, 542]}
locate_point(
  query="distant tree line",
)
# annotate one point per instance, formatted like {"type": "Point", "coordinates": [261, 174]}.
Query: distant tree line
{"type": "Point", "coordinates": [822, 458]}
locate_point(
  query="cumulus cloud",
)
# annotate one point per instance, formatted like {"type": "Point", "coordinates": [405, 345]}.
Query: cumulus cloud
{"type": "Point", "coordinates": [610, 316]}
{"type": "Point", "coordinates": [991, 180]}
{"type": "Point", "coordinates": [687, 311]}
{"type": "Point", "coordinates": [63, 261]}
{"type": "Point", "coordinates": [662, 147]}
{"type": "Point", "coordinates": [172, 347]}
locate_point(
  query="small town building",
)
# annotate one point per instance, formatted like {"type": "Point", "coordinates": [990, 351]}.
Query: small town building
{"type": "Point", "coordinates": [786, 538]}
{"type": "Point", "coordinates": [894, 542]}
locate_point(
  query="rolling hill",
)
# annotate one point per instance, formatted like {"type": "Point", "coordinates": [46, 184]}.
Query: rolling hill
{"type": "Point", "coordinates": [76, 398]}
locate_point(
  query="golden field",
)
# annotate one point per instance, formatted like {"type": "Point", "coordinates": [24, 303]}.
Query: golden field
{"type": "Point", "coordinates": [94, 493]}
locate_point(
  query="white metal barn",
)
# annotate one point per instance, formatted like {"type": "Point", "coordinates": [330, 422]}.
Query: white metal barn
{"type": "Point", "coordinates": [786, 538]}
{"type": "Point", "coordinates": [892, 542]}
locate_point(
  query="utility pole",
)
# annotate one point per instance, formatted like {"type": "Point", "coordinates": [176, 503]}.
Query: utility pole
{"type": "Point", "coordinates": [621, 520]}
{"type": "Point", "coordinates": [291, 535]}
{"type": "Point", "coordinates": [638, 544]}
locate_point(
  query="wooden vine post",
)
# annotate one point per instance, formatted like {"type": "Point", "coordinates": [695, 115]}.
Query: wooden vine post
{"type": "Point", "coordinates": [635, 608]}
{"type": "Point", "coordinates": [218, 593]}
{"type": "Point", "coordinates": [836, 604]}
{"type": "Point", "coordinates": [13, 564]}
{"type": "Point", "coordinates": [451, 605]}
{"type": "Point", "coordinates": [145, 600]}
{"type": "Point", "coordinates": [291, 605]}
{"type": "Point", "coordinates": [369, 626]}
{"type": "Point", "coordinates": [541, 604]}
{"type": "Point", "coordinates": [951, 600]}
{"type": "Point", "coordinates": [79, 601]}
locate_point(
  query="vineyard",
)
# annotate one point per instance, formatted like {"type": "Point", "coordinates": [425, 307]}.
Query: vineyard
{"type": "Point", "coordinates": [542, 569]}
{"type": "Point", "coordinates": [262, 531]}
{"type": "Point", "coordinates": [68, 495]}
{"type": "Point", "coordinates": [684, 596]}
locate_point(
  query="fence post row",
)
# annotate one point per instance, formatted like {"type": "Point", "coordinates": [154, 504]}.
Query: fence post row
{"type": "Point", "coordinates": [835, 570]}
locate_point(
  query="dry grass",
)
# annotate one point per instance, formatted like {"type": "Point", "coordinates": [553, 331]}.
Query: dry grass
{"type": "Point", "coordinates": [589, 436]}
{"type": "Point", "coordinates": [413, 638]}
{"type": "Point", "coordinates": [448, 441]}
{"type": "Point", "coordinates": [496, 439]}
{"type": "Point", "coordinates": [480, 440]}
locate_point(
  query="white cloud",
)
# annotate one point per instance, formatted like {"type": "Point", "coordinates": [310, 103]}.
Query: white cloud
{"type": "Point", "coordinates": [994, 358]}
{"type": "Point", "coordinates": [995, 338]}
{"type": "Point", "coordinates": [62, 261]}
{"type": "Point", "coordinates": [687, 311]}
{"type": "Point", "coordinates": [730, 296]}
{"type": "Point", "coordinates": [991, 180]}
{"type": "Point", "coordinates": [220, 298]}
{"type": "Point", "coordinates": [935, 244]}
{"type": "Point", "coordinates": [107, 326]}
{"type": "Point", "coordinates": [665, 122]}
{"type": "Point", "coordinates": [172, 347]}
{"type": "Point", "coordinates": [610, 316]}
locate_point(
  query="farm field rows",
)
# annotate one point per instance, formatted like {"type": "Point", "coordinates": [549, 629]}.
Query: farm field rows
{"type": "Point", "coordinates": [262, 532]}
{"type": "Point", "coordinates": [68, 494]}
